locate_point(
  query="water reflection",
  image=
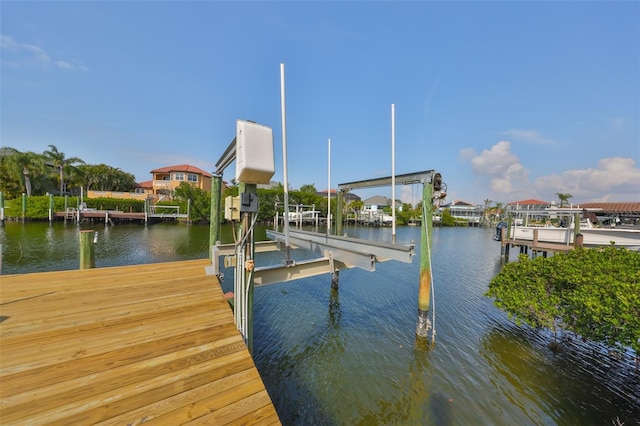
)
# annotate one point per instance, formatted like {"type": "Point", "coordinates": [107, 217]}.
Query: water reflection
{"type": "Point", "coordinates": [569, 385]}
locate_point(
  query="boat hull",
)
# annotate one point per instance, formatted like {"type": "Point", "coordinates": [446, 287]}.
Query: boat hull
{"type": "Point", "coordinates": [595, 237]}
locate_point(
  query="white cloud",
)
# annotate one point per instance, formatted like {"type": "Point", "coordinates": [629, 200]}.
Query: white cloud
{"type": "Point", "coordinates": [529, 136]}
{"type": "Point", "coordinates": [22, 55]}
{"type": "Point", "coordinates": [506, 175]}
{"type": "Point", "coordinates": [497, 161]}
{"type": "Point", "coordinates": [614, 179]}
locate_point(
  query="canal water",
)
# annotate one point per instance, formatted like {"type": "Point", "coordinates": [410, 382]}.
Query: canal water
{"type": "Point", "coordinates": [351, 357]}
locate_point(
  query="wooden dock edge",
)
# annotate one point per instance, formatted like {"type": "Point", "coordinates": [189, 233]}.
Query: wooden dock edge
{"type": "Point", "coordinates": [125, 345]}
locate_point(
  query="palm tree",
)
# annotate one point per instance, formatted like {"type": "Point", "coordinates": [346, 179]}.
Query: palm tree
{"type": "Point", "coordinates": [485, 211]}
{"type": "Point", "coordinates": [564, 198]}
{"type": "Point", "coordinates": [60, 162]}
{"type": "Point", "coordinates": [497, 208]}
{"type": "Point", "coordinates": [20, 166]}
{"type": "Point", "coordinates": [356, 206]}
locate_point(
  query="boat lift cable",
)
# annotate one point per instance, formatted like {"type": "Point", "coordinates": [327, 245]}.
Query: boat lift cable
{"type": "Point", "coordinates": [433, 298]}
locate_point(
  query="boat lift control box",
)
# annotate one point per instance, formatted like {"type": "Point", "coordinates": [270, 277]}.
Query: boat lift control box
{"type": "Point", "coordinates": [254, 152]}
{"type": "Point", "coordinates": [232, 208]}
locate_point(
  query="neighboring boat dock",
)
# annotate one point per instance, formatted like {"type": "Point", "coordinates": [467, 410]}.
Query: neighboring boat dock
{"type": "Point", "coordinates": [154, 213]}
{"type": "Point", "coordinates": [125, 345]}
{"type": "Point", "coordinates": [534, 246]}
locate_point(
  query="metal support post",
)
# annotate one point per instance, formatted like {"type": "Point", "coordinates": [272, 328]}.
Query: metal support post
{"type": "Point", "coordinates": [339, 208]}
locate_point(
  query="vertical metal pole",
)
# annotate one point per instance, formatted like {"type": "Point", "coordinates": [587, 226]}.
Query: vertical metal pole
{"type": "Point", "coordinates": [50, 208]}
{"type": "Point", "coordinates": [393, 173]}
{"type": "Point", "coordinates": [87, 256]}
{"type": "Point", "coordinates": [66, 206]}
{"type": "Point", "coordinates": [284, 163]}
{"type": "Point", "coordinates": [247, 266]}
{"type": "Point", "coordinates": [24, 206]}
{"type": "Point", "coordinates": [424, 289]}
{"type": "Point", "coordinates": [214, 215]}
{"type": "Point", "coordinates": [188, 210]}
{"type": "Point", "coordinates": [329, 189]}
{"type": "Point", "coordinates": [1, 208]}
{"type": "Point", "coordinates": [340, 202]}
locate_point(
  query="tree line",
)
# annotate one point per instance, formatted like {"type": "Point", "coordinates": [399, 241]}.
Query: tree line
{"type": "Point", "coordinates": [53, 172]}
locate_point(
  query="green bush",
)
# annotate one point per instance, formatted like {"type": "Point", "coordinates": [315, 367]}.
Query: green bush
{"type": "Point", "coordinates": [592, 292]}
{"type": "Point", "coordinates": [119, 204]}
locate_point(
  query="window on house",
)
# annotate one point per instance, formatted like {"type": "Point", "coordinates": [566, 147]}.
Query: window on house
{"type": "Point", "coordinates": [191, 177]}
{"type": "Point", "coordinates": [178, 176]}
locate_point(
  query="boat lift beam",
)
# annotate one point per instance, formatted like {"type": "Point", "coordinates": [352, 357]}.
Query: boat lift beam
{"type": "Point", "coordinates": [337, 253]}
{"type": "Point", "coordinates": [302, 269]}
{"type": "Point", "coordinates": [380, 251]}
{"type": "Point", "coordinates": [405, 179]}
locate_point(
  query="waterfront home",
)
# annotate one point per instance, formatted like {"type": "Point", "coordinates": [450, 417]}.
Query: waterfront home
{"type": "Point", "coordinates": [164, 181]}
{"type": "Point", "coordinates": [463, 211]}
{"type": "Point", "coordinates": [167, 179]}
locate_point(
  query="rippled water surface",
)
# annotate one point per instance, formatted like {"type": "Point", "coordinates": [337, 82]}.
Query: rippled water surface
{"type": "Point", "coordinates": [351, 357]}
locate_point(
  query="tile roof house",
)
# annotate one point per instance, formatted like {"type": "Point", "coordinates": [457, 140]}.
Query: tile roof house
{"type": "Point", "coordinates": [167, 179]}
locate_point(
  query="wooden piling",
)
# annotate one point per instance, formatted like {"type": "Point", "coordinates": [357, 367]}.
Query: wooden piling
{"type": "Point", "coordinates": [338, 212]}
{"type": "Point", "coordinates": [579, 241]}
{"type": "Point", "coordinates": [214, 221]}
{"type": "Point", "coordinates": [424, 287]}
{"type": "Point", "coordinates": [87, 254]}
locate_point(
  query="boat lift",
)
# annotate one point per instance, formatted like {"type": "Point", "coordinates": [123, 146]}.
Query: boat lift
{"type": "Point", "coordinates": [252, 150]}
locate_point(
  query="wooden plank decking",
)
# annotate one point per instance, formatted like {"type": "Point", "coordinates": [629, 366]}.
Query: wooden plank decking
{"type": "Point", "coordinates": [125, 345]}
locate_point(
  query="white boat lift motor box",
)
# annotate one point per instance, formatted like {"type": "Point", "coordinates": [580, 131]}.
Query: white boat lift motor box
{"type": "Point", "coordinates": [254, 152]}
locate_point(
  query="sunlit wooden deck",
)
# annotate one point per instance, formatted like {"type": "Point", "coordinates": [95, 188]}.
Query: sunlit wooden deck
{"type": "Point", "coordinates": [125, 345]}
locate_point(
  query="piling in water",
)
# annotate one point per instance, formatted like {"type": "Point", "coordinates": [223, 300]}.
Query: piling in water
{"type": "Point", "coordinates": [87, 254]}
{"type": "Point", "coordinates": [424, 288]}
{"type": "Point", "coordinates": [214, 220]}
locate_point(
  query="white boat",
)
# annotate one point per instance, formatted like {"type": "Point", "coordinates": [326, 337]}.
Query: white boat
{"type": "Point", "coordinates": [592, 236]}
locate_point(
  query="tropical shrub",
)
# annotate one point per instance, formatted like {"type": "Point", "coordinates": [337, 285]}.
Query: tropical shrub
{"type": "Point", "coordinates": [594, 293]}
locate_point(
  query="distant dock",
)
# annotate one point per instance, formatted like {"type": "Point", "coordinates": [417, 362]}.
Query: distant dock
{"type": "Point", "coordinates": [107, 216]}
{"type": "Point", "coordinates": [125, 345]}
{"type": "Point", "coordinates": [534, 246]}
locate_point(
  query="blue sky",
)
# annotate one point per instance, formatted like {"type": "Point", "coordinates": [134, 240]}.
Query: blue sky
{"type": "Point", "coordinates": [508, 100]}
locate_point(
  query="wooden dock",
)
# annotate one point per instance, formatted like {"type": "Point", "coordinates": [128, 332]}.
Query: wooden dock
{"type": "Point", "coordinates": [125, 345]}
